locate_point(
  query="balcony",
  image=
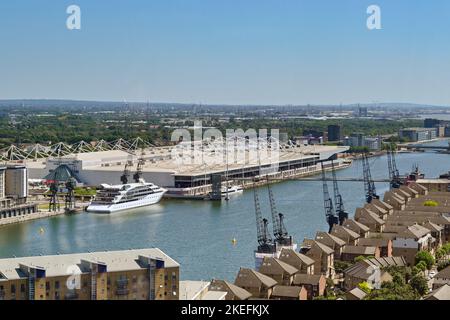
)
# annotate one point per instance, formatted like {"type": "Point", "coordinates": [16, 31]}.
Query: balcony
{"type": "Point", "coordinates": [122, 282]}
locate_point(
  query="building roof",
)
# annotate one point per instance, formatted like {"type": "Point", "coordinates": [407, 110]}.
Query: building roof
{"type": "Point", "coordinates": [295, 258]}
{"type": "Point", "coordinates": [369, 215]}
{"type": "Point", "coordinates": [382, 204]}
{"type": "Point", "coordinates": [373, 242]}
{"type": "Point", "coordinates": [214, 295]}
{"type": "Point", "coordinates": [363, 269]}
{"type": "Point", "coordinates": [221, 285]}
{"type": "Point", "coordinates": [190, 290]}
{"type": "Point", "coordinates": [321, 236]}
{"type": "Point", "coordinates": [57, 265]}
{"type": "Point", "coordinates": [441, 293]}
{"type": "Point", "coordinates": [363, 250]}
{"type": "Point", "coordinates": [355, 225]}
{"type": "Point", "coordinates": [443, 274]}
{"type": "Point", "coordinates": [415, 231]}
{"type": "Point", "coordinates": [275, 266]}
{"type": "Point", "coordinates": [287, 291]}
{"type": "Point", "coordinates": [323, 247]}
{"type": "Point", "coordinates": [337, 229]}
{"type": "Point", "coordinates": [311, 279]}
{"type": "Point", "coordinates": [387, 261]}
{"type": "Point", "coordinates": [250, 278]}
{"type": "Point", "coordinates": [433, 227]}
{"type": "Point", "coordinates": [358, 293]}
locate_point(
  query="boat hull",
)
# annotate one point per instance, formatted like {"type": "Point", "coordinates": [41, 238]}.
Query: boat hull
{"type": "Point", "coordinates": [116, 207]}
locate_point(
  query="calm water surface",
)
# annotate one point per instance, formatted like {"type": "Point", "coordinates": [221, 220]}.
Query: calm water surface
{"type": "Point", "coordinates": [198, 234]}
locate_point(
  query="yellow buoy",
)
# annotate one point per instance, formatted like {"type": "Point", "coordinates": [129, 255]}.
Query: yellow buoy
{"type": "Point", "coordinates": [234, 241]}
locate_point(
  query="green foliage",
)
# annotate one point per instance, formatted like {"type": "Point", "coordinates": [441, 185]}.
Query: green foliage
{"type": "Point", "coordinates": [426, 257]}
{"type": "Point", "coordinates": [419, 283]}
{"type": "Point", "coordinates": [446, 248]}
{"type": "Point", "coordinates": [421, 265]}
{"type": "Point", "coordinates": [359, 258]}
{"type": "Point", "coordinates": [440, 253]}
{"type": "Point", "coordinates": [391, 291]}
{"type": "Point", "coordinates": [365, 286]}
{"type": "Point", "coordinates": [430, 203]}
{"type": "Point", "coordinates": [443, 265]}
{"type": "Point", "coordinates": [416, 270]}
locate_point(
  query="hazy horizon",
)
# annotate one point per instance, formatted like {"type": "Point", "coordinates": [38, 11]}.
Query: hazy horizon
{"type": "Point", "coordinates": [254, 52]}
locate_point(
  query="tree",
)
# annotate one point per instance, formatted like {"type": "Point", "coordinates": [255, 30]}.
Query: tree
{"type": "Point", "coordinates": [426, 257]}
{"type": "Point", "coordinates": [440, 253]}
{"type": "Point", "coordinates": [420, 284]}
{"type": "Point", "coordinates": [422, 266]}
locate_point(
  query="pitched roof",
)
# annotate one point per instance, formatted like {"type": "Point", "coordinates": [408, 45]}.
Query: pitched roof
{"type": "Point", "coordinates": [387, 261]}
{"type": "Point", "coordinates": [433, 227]}
{"type": "Point", "coordinates": [368, 214]}
{"type": "Point", "coordinates": [251, 278]}
{"type": "Point", "coordinates": [220, 285]}
{"type": "Point", "coordinates": [359, 250]}
{"type": "Point", "coordinates": [337, 229]}
{"type": "Point", "coordinates": [357, 292]}
{"type": "Point", "coordinates": [321, 235]}
{"type": "Point", "coordinates": [383, 204]}
{"type": "Point", "coordinates": [353, 224]}
{"type": "Point", "coordinates": [287, 291]}
{"type": "Point", "coordinates": [312, 279]}
{"type": "Point", "coordinates": [444, 273]}
{"type": "Point", "coordinates": [414, 231]}
{"type": "Point", "coordinates": [373, 242]}
{"type": "Point", "coordinates": [324, 248]}
{"type": "Point", "coordinates": [295, 258]}
{"type": "Point", "coordinates": [442, 293]}
{"type": "Point", "coordinates": [275, 266]}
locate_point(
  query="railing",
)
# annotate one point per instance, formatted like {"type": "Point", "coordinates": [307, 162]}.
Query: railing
{"type": "Point", "coordinates": [71, 296]}
{"type": "Point", "coordinates": [122, 282]}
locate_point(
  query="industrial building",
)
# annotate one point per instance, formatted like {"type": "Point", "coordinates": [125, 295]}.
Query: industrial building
{"type": "Point", "coordinates": [142, 274]}
{"type": "Point", "coordinates": [164, 168]}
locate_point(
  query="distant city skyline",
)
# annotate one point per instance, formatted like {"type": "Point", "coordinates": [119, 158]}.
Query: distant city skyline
{"type": "Point", "coordinates": [255, 52]}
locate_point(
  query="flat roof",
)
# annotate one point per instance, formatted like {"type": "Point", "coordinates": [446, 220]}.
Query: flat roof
{"type": "Point", "coordinates": [57, 265]}
{"type": "Point", "coordinates": [161, 160]}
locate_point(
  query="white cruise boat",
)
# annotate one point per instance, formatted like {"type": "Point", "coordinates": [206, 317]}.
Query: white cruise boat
{"type": "Point", "coordinates": [113, 198]}
{"type": "Point", "coordinates": [232, 190]}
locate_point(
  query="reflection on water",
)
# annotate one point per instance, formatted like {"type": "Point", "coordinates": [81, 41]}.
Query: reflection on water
{"type": "Point", "coordinates": [198, 234]}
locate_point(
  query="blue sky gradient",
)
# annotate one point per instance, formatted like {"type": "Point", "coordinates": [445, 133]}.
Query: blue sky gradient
{"type": "Point", "coordinates": [227, 51]}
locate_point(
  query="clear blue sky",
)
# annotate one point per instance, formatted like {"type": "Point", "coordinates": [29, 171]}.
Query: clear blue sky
{"type": "Point", "coordinates": [227, 51]}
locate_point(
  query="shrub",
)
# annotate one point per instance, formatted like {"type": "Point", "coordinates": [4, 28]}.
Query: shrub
{"type": "Point", "coordinates": [426, 257]}
{"type": "Point", "coordinates": [365, 286]}
{"type": "Point", "coordinates": [421, 265]}
{"type": "Point", "coordinates": [430, 203]}
{"type": "Point", "coordinates": [419, 283]}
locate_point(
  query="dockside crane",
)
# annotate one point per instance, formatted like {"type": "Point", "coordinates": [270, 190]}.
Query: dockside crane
{"type": "Point", "coordinates": [126, 174]}
{"type": "Point", "coordinates": [338, 202]}
{"type": "Point", "coordinates": [138, 174]}
{"type": "Point", "coordinates": [394, 176]}
{"type": "Point", "coordinates": [331, 218]}
{"type": "Point", "coordinates": [280, 233]}
{"type": "Point", "coordinates": [369, 185]}
{"type": "Point", "coordinates": [265, 243]}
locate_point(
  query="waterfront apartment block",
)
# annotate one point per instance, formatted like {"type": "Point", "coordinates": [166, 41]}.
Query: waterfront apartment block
{"type": "Point", "coordinates": [142, 274]}
{"type": "Point", "coordinates": [417, 134]}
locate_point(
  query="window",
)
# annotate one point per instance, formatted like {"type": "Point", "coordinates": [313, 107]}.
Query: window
{"type": "Point", "coordinates": [47, 285]}
{"type": "Point", "coordinates": [13, 288]}
{"type": "Point", "coordinates": [22, 288]}
{"type": "Point", "coordinates": [56, 284]}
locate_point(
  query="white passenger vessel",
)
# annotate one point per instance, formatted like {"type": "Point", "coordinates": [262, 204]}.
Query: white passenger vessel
{"type": "Point", "coordinates": [113, 198]}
